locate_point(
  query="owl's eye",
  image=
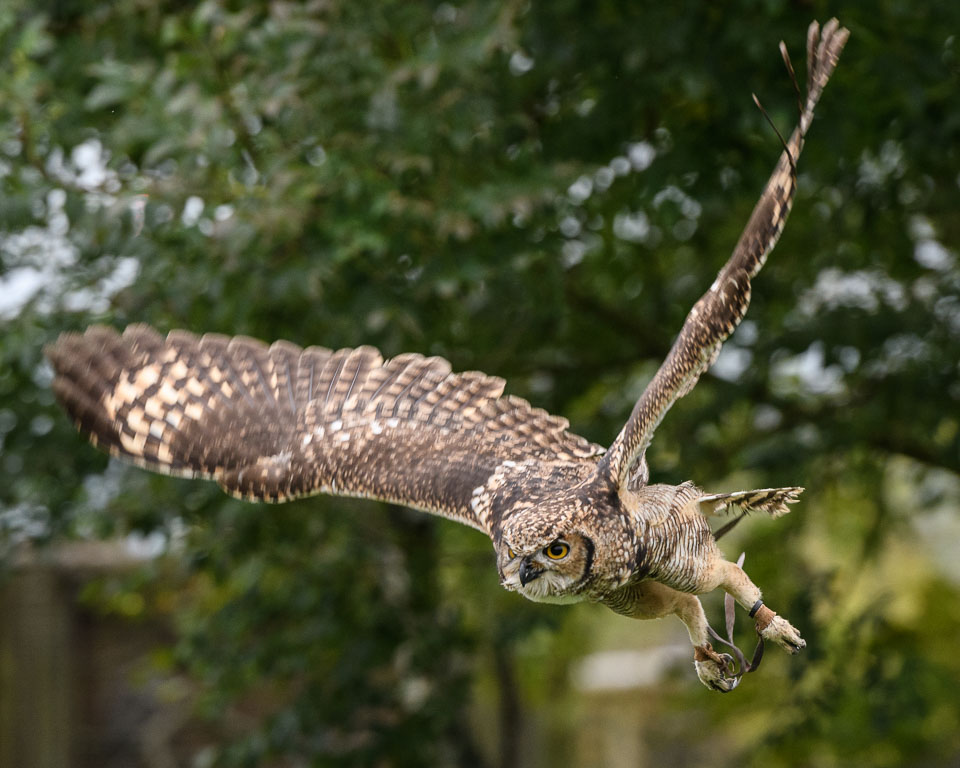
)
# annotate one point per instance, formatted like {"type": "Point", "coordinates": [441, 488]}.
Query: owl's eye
{"type": "Point", "coordinates": [557, 551]}
{"type": "Point", "coordinates": [510, 553]}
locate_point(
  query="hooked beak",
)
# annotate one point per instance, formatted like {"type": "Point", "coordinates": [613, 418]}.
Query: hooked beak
{"type": "Point", "coordinates": [529, 572]}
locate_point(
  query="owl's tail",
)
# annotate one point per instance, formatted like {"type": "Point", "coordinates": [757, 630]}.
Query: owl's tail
{"type": "Point", "coordinates": [773, 501]}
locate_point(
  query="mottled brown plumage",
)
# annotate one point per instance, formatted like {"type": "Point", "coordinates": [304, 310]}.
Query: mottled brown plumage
{"type": "Point", "coordinates": [568, 521]}
{"type": "Point", "coordinates": [720, 310]}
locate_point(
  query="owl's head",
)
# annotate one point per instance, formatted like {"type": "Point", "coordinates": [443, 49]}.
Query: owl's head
{"type": "Point", "coordinates": [546, 570]}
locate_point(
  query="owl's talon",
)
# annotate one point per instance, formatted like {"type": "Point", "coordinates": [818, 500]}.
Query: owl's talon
{"type": "Point", "coordinates": [778, 630]}
{"type": "Point", "coordinates": [715, 670]}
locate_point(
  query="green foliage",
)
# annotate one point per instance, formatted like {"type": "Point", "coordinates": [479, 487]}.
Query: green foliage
{"type": "Point", "coordinates": [539, 191]}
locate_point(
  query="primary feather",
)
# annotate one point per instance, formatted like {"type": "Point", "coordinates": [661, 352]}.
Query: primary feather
{"type": "Point", "coordinates": [279, 422]}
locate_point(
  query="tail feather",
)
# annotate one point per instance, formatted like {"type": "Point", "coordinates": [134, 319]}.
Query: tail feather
{"type": "Point", "coordinates": [773, 501]}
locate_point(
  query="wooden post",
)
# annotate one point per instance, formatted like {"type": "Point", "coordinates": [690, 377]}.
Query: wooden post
{"type": "Point", "coordinates": [36, 670]}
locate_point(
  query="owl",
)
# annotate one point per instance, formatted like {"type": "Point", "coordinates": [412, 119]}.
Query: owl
{"type": "Point", "coordinates": [569, 520]}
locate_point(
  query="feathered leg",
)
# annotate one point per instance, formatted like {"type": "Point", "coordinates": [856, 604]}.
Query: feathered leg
{"type": "Point", "coordinates": [733, 580]}
{"type": "Point", "coordinates": [653, 600]}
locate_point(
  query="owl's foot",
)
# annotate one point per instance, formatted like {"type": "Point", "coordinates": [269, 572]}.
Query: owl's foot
{"type": "Point", "coordinates": [778, 630]}
{"type": "Point", "coordinates": [715, 670]}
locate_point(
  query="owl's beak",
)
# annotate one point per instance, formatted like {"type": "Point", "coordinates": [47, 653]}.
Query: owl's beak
{"type": "Point", "coordinates": [529, 572]}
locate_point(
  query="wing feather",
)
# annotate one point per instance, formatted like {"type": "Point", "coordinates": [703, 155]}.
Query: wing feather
{"type": "Point", "coordinates": [718, 312]}
{"type": "Point", "coordinates": [279, 422]}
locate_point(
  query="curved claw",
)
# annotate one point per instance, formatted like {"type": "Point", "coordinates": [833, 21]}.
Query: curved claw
{"type": "Point", "coordinates": [715, 670]}
{"type": "Point", "coordinates": [784, 634]}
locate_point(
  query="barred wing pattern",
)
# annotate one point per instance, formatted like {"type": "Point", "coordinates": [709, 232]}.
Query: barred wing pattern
{"type": "Point", "coordinates": [279, 422]}
{"type": "Point", "coordinates": [720, 310]}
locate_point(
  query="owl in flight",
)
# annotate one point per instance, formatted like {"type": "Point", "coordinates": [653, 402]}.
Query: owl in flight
{"type": "Point", "coordinates": [569, 520]}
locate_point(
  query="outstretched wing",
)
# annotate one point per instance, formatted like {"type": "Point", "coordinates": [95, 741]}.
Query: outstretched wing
{"type": "Point", "coordinates": [279, 422]}
{"type": "Point", "coordinates": [719, 311]}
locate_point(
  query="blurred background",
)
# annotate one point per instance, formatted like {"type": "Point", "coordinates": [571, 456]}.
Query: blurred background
{"type": "Point", "coordinates": [539, 191]}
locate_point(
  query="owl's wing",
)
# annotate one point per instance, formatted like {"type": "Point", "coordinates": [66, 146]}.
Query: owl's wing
{"type": "Point", "coordinates": [279, 422]}
{"type": "Point", "coordinates": [719, 311]}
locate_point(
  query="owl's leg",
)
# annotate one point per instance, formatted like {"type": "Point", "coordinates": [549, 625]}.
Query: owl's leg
{"type": "Point", "coordinates": [734, 581]}
{"type": "Point", "coordinates": [715, 670]}
{"type": "Point", "coordinates": [653, 600]}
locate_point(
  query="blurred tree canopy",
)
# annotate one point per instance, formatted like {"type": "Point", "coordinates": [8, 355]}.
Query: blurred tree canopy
{"type": "Point", "coordinates": [539, 191]}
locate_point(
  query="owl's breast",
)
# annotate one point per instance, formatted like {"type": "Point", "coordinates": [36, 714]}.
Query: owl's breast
{"type": "Point", "coordinates": [677, 550]}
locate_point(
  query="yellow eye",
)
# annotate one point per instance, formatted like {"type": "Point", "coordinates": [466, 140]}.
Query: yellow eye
{"type": "Point", "coordinates": [557, 551]}
{"type": "Point", "coordinates": [510, 553]}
